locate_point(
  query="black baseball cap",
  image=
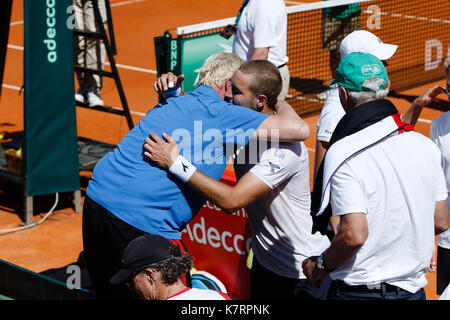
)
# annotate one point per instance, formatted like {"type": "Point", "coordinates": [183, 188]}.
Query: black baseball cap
{"type": "Point", "coordinates": [141, 252]}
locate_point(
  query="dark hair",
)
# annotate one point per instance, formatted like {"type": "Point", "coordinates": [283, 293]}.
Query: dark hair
{"type": "Point", "coordinates": [264, 79]}
{"type": "Point", "coordinates": [174, 267]}
{"type": "Point", "coordinates": [448, 69]}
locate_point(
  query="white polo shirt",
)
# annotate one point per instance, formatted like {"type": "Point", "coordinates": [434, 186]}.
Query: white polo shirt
{"type": "Point", "coordinates": [440, 134]}
{"type": "Point", "coordinates": [199, 294]}
{"type": "Point", "coordinates": [263, 24]}
{"type": "Point", "coordinates": [396, 183]}
{"type": "Point", "coordinates": [280, 221]}
{"type": "Point", "coordinates": [332, 112]}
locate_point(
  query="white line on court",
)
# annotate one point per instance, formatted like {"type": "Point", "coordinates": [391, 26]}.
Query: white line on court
{"type": "Point", "coordinates": [12, 46]}
{"type": "Point", "coordinates": [123, 3]}
{"type": "Point", "coordinates": [141, 114]}
{"type": "Point", "coordinates": [293, 2]}
{"type": "Point", "coordinates": [424, 120]}
{"type": "Point", "coordinates": [9, 86]}
{"type": "Point", "coordinates": [16, 88]}
{"type": "Point", "coordinates": [16, 23]}
{"type": "Point", "coordinates": [118, 65]}
{"type": "Point", "coordinates": [123, 66]}
{"type": "Point", "coordinates": [407, 16]}
{"type": "Point", "coordinates": [116, 4]}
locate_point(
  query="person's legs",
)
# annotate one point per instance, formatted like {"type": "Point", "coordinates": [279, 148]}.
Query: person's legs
{"type": "Point", "coordinates": [95, 49]}
{"type": "Point", "coordinates": [89, 52]}
{"type": "Point", "coordinates": [405, 295]}
{"type": "Point", "coordinates": [269, 285]}
{"type": "Point", "coordinates": [79, 45]}
{"type": "Point", "coordinates": [443, 269]}
{"type": "Point", "coordinates": [304, 290]}
{"type": "Point", "coordinates": [105, 237]}
{"type": "Point", "coordinates": [266, 284]}
{"type": "Point", "coordinates": [339, 291]}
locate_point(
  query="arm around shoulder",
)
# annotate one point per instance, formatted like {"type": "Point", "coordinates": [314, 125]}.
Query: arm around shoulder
{"type": "Point", "coordinates": [286, 125]}
{"type": "Point", "coordinates": [229, 198]}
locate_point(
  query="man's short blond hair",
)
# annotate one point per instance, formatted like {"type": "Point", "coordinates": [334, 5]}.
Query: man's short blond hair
{"type": "Point", "coordinates": [218, 68]}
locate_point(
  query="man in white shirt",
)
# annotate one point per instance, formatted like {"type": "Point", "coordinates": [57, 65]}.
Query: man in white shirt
{"type": "Point", "coordinates": [261, 34]}
{"type": "Point", "coordinates": [332, 111]}
{"type": "Point", "coordinates": [440, 134]}
{"type": "Point", "coordinates": [273, 186]}
{"type": "Point", "coordinates": [387, 187]}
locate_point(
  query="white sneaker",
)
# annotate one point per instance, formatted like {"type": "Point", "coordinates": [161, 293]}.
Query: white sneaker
{"type": "Point", "coordinates": [79, 97]}
{"type": "Point", "coordinates": [94, 100]}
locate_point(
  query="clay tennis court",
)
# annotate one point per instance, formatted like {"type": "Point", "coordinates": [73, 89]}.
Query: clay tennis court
{"type": "Point", "coordinates": [58, 241]}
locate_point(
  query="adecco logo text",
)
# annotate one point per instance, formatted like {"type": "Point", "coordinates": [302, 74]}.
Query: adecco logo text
{"type": "Point", "coordinates": [50, 42]}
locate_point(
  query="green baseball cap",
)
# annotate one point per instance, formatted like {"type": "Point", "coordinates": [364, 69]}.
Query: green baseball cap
{"type": "Point", "coordinates": [357, 67]}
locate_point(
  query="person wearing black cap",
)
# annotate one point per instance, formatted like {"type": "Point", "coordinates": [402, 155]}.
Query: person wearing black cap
{"type": "Point", "coordinates": [153, 267]}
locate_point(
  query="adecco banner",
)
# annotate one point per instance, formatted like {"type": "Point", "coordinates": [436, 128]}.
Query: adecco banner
{"type": "Point", "coordinates": [51, 149]}
{"type": "Point", "coordinates": [220, 243]}
{"type": "Point", "coordinates": [194, 51]}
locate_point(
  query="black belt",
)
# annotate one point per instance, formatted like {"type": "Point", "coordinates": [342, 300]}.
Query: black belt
{"type": "Point", "coordinates": [282, 65]}
{"type": "Point", "coordinates": [381, 288]}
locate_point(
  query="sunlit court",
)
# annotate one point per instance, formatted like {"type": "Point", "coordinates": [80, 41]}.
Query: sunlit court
{"type": "Point", "coordinates": [51, 143]}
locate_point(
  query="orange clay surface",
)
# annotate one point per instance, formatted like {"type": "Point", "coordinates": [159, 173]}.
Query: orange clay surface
{"type": "Point", "coordinates": [56, 243]}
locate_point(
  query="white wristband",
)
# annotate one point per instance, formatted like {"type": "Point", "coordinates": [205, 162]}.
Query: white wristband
{"type": "Point", "coordinates": [182, 168]}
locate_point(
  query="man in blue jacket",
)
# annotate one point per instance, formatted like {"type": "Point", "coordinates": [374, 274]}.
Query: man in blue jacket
{"type": "Point", "coordinates": [129, 196]}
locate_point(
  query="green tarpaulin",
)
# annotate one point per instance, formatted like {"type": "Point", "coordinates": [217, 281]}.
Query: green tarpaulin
{"type": "Point", "coordinates": [50, 151]}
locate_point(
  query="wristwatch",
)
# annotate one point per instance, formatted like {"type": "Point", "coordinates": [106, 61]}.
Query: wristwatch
{"type": "Point", "coordinates": [321, 264]}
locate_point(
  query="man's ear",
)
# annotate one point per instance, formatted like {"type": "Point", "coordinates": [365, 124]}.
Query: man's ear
{"type": "Point", "coordinates": [343, 97]}
{"type": "Point", "coordinates": [228, 91]}
{"type": "Point", "coordinates": [262, 100]}
{"type": "Point", "coordinates": [150, 275]}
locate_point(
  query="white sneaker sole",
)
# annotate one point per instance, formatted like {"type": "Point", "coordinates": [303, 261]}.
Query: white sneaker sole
{"type": "Point", "coordinates": [79, 98]}
{"type": "Point", "coordinates": [95, 101]}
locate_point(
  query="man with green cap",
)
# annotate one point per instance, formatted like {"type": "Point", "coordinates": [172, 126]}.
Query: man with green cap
{"type": "Point", "coordinates": [387, 187]}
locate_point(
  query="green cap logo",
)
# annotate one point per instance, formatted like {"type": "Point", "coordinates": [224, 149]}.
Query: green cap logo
{"type": "Point", "coordinates": [370, 70]}
{"type": "Point", "coordinates": [357, 67]}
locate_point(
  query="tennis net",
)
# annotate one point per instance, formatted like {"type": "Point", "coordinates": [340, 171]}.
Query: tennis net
{"type": "Point", "coordinates": [419, 28]}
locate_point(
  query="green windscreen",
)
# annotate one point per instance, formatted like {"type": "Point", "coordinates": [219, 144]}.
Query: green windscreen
{"type": "Point", "coordinates": [50, 146]}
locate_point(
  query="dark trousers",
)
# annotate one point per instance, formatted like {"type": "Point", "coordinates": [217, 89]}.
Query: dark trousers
{"type": "Point", "coordinates": [341, 291]}
{"type": "Point", "coordinates": [105, 237]}
{"type": "Point", "coordinates": [266, 284]}
{"type": "Point", "coordinates": [443, 269]}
